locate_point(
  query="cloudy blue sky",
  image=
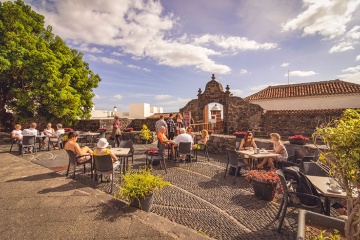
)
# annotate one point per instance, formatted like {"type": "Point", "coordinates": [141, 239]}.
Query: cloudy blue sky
{"type": "Point", "coordinates": [162, 52]}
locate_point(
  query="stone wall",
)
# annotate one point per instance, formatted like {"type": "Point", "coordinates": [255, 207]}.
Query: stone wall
{"type": "Point", "coordinates": [288, 123]}
{"type": "Point", "coordinates": [95, 124]}
{"type": "Point", "coordinates": [135, 136]}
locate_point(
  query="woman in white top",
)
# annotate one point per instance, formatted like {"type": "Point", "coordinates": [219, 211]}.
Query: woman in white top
{"type": "Point", "coordinates": [16, 134]}
{"type": "Point", "coordinates": [49, 131]}
{"type": "Point", "coordinates": [277, 148]}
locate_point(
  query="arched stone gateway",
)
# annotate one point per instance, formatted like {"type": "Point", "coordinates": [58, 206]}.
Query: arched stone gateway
{"type": "Point", "coordinates": [238, 114]}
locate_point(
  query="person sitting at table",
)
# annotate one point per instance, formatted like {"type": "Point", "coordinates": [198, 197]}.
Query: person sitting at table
{"type": "Point", "coordinates": [182, 137]}
{"type": "Point", "coordinates": [247, 143]}
{"type": "Point", "coordinates": [278, 148]}
{"type": "Point", "coordinates": [161, 136]}
{"type": "Point", "coordinates": [190, 132]}
{"type": "Point", "coordinates": [102, 150]}
{"type": "Point", "coordinates": [204, 138]}
{"type": "Point", "coordinates": [48, 132]}
{"type": "Point", "coordinates": [59, 131]}
{"type": "Point", "coordinates": [16, 134]}
{"type": "Point", "coordinates": [31, 131]}
{"type": "Point", "coordinates": [73, 146]}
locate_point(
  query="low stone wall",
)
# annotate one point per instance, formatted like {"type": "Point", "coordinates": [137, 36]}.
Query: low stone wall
{"type": "Point", "coordinates": [135, 136]}
{"type": "Point", "coordinates": [218, 144]}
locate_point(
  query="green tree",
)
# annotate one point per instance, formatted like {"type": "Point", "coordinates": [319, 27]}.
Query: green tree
{"type": "Point", "coordinates": [342, 138]}
{"type": "Point", "coordinates": [40, 77]}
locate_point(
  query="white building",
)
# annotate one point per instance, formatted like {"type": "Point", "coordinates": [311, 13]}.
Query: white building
{"type": "Point", "coordinates": [136, 110]}
{"type": "Point", "coordinates": [333, 94]}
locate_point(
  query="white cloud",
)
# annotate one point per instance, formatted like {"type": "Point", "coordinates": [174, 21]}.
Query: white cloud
{"type": "Point", "coordinates": [138, 28]}
{"type": "Point", "coordinates": [284, 64]}
{"type": "Point", "coordinates": [162, 97]}
{"type": "Point", "coordinates": [118, 54]}
{"type": "Point", "coordinates": [104, 59]}
{"type": "Point", "coordinates": [243, 71]}
{"type": "Point", "coordinates": [352, 69]}
{"type": "Point", "coordinates": [118, 97]}
{"type": "Point", "coordinates": [139, 68]}
{"type": "Point", "coordinates": [350, 77]}
{"type": "Point", "coordinates": [348, 42]}
{"type": "Point", "coordinates": [357, 58]}
{"type": "Point", "coordinates": [325, 17]}
{"type": "Point", "coordinates": [300, 73]}
{"type": "Point", "coordinates": [97, 96]}
{"type": "Point", "coordinates": [233, 43]}
{"type": "Point", "coordinates": [85, 48]}
{"type": "Point", "coordinates": [236, 91]}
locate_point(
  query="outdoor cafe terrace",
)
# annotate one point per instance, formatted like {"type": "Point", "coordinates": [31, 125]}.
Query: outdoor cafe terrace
{"type": "Point", "coordinates": [201, 198]}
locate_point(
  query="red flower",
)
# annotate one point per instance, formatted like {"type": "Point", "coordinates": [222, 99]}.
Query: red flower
{"type": "Point", "coordinates": [270, 177]}
{"type": "Point", "coordinates": [239, 133]}
{"type": "Point", "coordinates": [298, 137]}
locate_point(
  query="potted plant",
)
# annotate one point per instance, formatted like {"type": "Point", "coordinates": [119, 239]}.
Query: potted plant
{"type": "Point", "coordinates": [239, 134]}
{"type": "Point", "coordinates": [342, 156]}
{"type": "Point", "coordinates": [145, 133]}
{"type": "Point", "coordinates": [138, 187]}
{"type": "Point", "coordinates": [68, 129]}
{"type": "Point", "coordinates": [264, 183]}
{"type": "Point", "coordinates": [298, 139]}
{"type": "Point", "coordinates": [210, 132]}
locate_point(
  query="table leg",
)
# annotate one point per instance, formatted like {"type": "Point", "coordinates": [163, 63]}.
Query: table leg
{"type": "Point", "coordinates": [327, 206]}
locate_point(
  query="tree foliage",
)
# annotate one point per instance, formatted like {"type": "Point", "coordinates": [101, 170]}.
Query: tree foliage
{"type": "Point", "coordinates": [342, 138]}
{"type": "Point", "coordinates": [39, 74]}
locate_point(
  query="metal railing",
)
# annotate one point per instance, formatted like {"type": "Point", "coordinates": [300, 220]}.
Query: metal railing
{"type": "Point", "coordinates": [216, 127]}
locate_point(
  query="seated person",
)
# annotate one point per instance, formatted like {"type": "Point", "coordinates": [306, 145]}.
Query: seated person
{"type": "Point", "coordinates": [73, 146]}
{"type": "Point", "coordinates": [31, 131]}
{"type": "Point", "coordinates": [49, 131]}
{"type": "Point", "coordinates": [182, 137]}
{"type": "Point", "coordinates": [161, 136]}
{"type": "Point", "coordinates": [103, 150]}
{"type": "Point", "coordinates": [204, 138]}
{"type": "Point", "coordinates": [190, 132]}
{"type": "Point", "coordinates": [16, 134]}
{"type": "Point", "coordinates": [58, 132]}
{"type": "Point", "coordinates": [278, 148]}
{"type": "Point", "coordinates": [247, 143]}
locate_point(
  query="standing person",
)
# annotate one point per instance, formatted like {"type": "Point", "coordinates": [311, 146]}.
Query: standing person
{"type": "Point", "coordinates": [160, 123]}
{"type": "Point", "coordinates": [171, 127]}
{"type": "Point", "coordinates": [277, 148]}
{"type": "Point", "coordinates": [179, 123]}
{"type": "Point", "coordinates": [116, 131]}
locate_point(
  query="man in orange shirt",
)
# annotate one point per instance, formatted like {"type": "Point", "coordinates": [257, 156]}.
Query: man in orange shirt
{"type": "Point", "coordinates": [161, 136]}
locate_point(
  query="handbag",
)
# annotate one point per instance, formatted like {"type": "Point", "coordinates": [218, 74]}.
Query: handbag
{"type": "Point", "coordinates": [117, 131]}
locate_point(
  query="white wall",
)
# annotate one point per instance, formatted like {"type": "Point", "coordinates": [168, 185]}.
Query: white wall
{"type": "Point", "coordinates": [308, 103]}
{"type": "Point", "coordinates": [100, 114]}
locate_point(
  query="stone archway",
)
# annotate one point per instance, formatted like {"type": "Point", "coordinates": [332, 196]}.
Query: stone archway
{"type": "Point", "coordinates": [237, 113]}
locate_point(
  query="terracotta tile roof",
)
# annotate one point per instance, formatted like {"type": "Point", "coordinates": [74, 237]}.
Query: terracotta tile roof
{"type": "Point", "coordinates": [166, 115]}
{"type": "Point", "coordinates": [305, 112]}
{"type": "Point", "coordinates": [331, 87]}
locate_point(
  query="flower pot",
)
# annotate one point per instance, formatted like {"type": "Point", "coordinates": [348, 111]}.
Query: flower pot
{"type": "Point", "coordinates": [144, 204]}
{"type": "Point", "coordinates": [263, 190]}
{"type": "Point", "coordinates": [297, 141]}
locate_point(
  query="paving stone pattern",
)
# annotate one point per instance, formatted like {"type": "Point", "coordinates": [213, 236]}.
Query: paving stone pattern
{"type": "Point", "coordinates": [202, 199]}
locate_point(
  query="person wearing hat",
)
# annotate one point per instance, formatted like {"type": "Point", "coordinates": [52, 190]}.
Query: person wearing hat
{"type": "Point", "coordinates": [103, 150]}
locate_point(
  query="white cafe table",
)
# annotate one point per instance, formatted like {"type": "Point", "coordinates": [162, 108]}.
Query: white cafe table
{"type": "Point", "coordinates": [122, 152]}
{"type": "Point", "coordinates": [321, 184]}
{"type": "Point", "coordinates": [255, 156]}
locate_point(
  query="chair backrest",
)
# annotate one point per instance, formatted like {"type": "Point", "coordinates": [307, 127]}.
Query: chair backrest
{"type": "Point", "coordinates": [303, 185]}
{"type": "Point", "coordinates": [103, 163]}
{"type": "Point", "coordinates": [283, 181]}
{"type": "Point", "coordinates": [28, 140]}
{"type": "Point", "coordinates": [102, 134]}
{"type": "Point", "coordinates": [237, 145]}
{"type": "Point", "coordinates": [291, 153]}
{"type": "Point", "coordinates": [305, 159]}
{"type": "Point", "coordinates": [161, 148]}
{"type": "Point", "coordinates": [313, 169]}
{"type": "Point", "coordinates": [126, 144]}
{"type": "Point", "coordinates": [184, 148]}
{"type": "Point", "coordinates": [72, 156]}
{"type": "Point", "coordinates": [232, 157]}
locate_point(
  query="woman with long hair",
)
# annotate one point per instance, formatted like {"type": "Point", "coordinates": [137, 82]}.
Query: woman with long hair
{"type": "Point", "coordinates": [278, 147]}
{"type": "Point", "coordinates": [179, 123]}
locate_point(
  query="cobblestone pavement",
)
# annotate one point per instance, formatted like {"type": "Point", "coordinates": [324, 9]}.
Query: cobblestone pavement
{"type": "Point", "coordinates": [202, 199]}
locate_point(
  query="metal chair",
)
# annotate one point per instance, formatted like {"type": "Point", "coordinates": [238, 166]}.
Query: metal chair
{"type": "Point", "coordinates": [203, 148]}
{"type": "Point", "coordinates": [28, 142]}
{"type": "Point", "coordinates": [234, 161]}
{"type": "Point", "coordinates": [296, 198]}
{"type": "Point", "coordinates": [80, 138]}
{"type": "Point", "coordinates": [104, 165]}
{"type": "Point", "coordinates": [13, 141]}
{"type": "Point", "coordinates": [313, 169]}
{"type": "Point", "coordinates": [160, 155]}
{"type": "Point", "coordinates": [57, 140]}
{"type": "Point", "coordinates": [73, 160]}
{"type": "Point", "coordinates": [184, 148]}
{"type": "Point", "coordinates": [299, 163]}
{"type": "Point", "coordinates": [128, 144]}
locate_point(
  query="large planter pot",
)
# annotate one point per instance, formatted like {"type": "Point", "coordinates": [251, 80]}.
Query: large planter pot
{"type": "Point", "coordinates": [318, 220]}
{"type": "Point", "coordinates": [263, 190]}
{"type": "Point", "coordinates": [144, 204]}
{"type": "Point", "coordinates": [297, 141]}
